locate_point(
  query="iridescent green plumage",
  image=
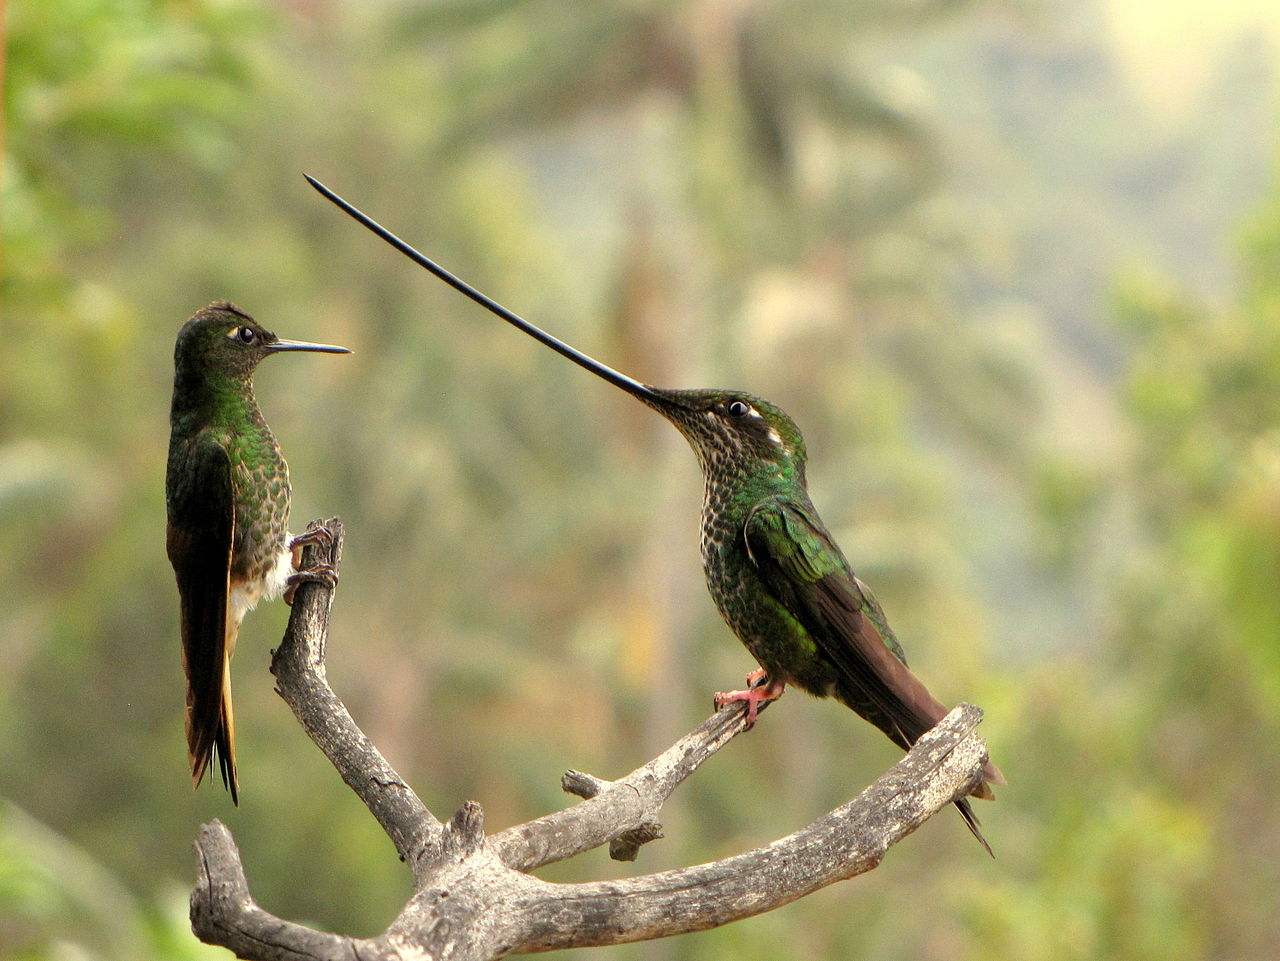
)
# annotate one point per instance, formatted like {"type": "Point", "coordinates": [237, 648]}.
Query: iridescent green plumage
{"type": "Point", "coordinates": [227, 496]}
{"type": "Point", "coordinates": [781, 582]}
{"type": "Point", "coordinates": [775, 573]}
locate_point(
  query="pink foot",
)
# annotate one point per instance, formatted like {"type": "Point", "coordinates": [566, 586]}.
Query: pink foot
{"type": "Point", "coordinates": [760, 690]}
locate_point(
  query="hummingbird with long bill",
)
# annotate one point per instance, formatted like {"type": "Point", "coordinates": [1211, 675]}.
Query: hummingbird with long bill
{"type": "Point", "coordinates": [227, 498]}
{"type": "Point", "coordinates": [776, 575]}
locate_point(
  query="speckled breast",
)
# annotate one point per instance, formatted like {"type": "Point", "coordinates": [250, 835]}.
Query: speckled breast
{"type": "Point", "coordinates": [261, 482]}
{"type": "Point", "coordinates": [777, 641]}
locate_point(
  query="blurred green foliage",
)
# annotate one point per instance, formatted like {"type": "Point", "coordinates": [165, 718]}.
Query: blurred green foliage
{"type": "Point", "coordinates": [994, 291]}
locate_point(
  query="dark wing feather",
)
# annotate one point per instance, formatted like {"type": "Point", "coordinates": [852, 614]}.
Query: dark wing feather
{"type": "Point", "coordinates": [201, 504]}
{"type": "Point", "coordinates": [805, 571]}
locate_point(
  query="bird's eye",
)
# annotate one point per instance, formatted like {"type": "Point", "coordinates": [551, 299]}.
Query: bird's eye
{"type": "Point", "coordinates": [246, 335]}
{"type": "Point", "coordinates": [738, 409]}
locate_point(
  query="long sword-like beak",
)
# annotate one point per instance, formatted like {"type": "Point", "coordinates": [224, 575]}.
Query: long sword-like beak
{"type": "Point", "coordinates": [630, 385]}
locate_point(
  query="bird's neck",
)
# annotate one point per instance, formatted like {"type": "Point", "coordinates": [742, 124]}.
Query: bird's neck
{"type": "Point", "coordinates": [728, 500]}
{"type": "Point", "coordinates": [736, 488]}
{"type": "Point", "coordinates": [221, 402]}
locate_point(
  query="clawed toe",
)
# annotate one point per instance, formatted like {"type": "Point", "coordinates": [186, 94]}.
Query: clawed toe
{"type": "Point", "coordinates": [321, 536]}
{"type": "Point", "coordinates": [320, 574]}
{"type": "Point", "coordinates": [316, 535]}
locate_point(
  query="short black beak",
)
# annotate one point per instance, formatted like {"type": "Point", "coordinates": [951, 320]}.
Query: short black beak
{"type": "Point", "coordinates": [303, 345]}
{"type": "Point", "coordinates": [630, 385]}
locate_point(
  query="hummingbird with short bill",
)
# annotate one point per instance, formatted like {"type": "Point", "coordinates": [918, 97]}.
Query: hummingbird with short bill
{"type": "Point", "coordinates": [227, 497]}
{"type": "Point", "coordinates": [776, 575]}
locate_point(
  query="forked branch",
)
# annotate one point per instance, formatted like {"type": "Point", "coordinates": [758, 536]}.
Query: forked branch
{"type": "Point", "coordinates": [474, 897]}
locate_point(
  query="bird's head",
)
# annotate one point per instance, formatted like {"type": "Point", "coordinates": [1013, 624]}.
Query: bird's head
{"type": "Point", "coordinates": [731, 431]}
{"type": "Point", "coordinates": [222, 339]}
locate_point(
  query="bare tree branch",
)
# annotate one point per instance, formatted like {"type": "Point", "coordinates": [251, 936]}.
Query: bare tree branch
{"type": "Point", "coordinates": [473, 896]}
{"type": "Point", "coordinates": [944, 765]}
{"type": "Point", "coordinates": [301, 679]}
{"type": "Point", "coordinates": [223, 913]}
{"type": "Point", "coordinates": [615, 808]}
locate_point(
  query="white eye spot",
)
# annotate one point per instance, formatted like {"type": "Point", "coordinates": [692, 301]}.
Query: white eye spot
{"type": "Point", "coordinates": [774, 437]}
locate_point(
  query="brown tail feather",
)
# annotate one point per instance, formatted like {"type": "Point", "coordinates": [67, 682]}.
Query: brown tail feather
{"type": "Point", "coordinates": [225, 742]}
{"type": "Point", "coordinates": [971, 820]}
{"type": "Point", "coordinates": [214, 735]}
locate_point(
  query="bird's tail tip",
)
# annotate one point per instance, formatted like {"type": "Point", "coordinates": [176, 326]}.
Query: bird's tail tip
{"type": "Point", "coordinates": [974, 825]}
{"type": "Point", "coordinates": [221, 749]}
{"type": "Point", "coordinates": [205, 742]}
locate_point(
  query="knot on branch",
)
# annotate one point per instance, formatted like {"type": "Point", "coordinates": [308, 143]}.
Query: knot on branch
{"type": "Point", "coordinates": [626, 846]}
{"type": "Point", "coordinates": [464, 834]}
{"type": "Point", "coordinates": [581, 784]}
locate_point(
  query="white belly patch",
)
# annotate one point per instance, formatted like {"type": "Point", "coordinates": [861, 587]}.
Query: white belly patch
{"type": "Point", "coordinates": [244, 597]}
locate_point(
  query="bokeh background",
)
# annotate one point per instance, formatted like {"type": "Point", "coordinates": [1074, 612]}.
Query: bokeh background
{"type": "Point", "coordinates": [1014, 267]}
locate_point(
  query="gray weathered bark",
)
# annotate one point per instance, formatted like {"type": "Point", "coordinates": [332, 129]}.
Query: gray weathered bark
{"type": "Point", "coordinates": [474, 898]}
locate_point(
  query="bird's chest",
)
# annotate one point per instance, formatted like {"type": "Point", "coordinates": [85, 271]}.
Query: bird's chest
{"type": "Point", "coordinates": [772, 635]}
{"type": "Point", "coordinates": [261, 481]}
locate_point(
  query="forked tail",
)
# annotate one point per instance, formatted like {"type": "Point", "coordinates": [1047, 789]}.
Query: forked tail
{"type": "Point", "coordinates": [211, 732]}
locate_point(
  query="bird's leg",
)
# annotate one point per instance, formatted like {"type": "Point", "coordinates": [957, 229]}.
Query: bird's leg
{"type": "Point", "coordinates": [760, 690]}
{"type": "Point", "coordinates": [320, 574]}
